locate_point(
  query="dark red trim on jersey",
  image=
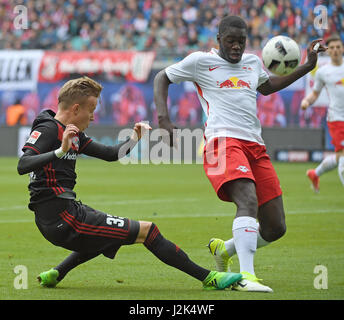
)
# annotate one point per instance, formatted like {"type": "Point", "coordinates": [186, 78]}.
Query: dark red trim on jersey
{"type": "Point", "coordinates": [45, 168]}
{"type": "Point", "coordinates": [32, 148]}
{"type": "Point", "coordinates": [54, 181]}
{"type": "Point", "coordinates": [51, 179]}
{"type": "Point", "coordinates": [93, 230]}
{"type": "Point", "coordinates": [84, 146]}
{"type": "Point", "coordinates": [60, 131]}
{"type": "Point", "coordinates": [97, 227]}
{"type": "Point", "coordinates": [200, 92]}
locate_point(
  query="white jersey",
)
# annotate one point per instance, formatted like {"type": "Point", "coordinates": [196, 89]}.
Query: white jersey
{"type": "Point", "coordinates": [332, 78]}
{"type": "Point", "coordinates": [227, 92]}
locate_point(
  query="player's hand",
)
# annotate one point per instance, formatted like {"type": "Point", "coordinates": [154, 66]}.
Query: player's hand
{"type": "Point", "coordinates": [70, 132]}
{"type": "Point", "coordinates": [312, 52]}
{"type": "Point", "coordinates": [139, 130]}
{"type": "Point", "coordinates": [305, 104]}
{"type": "Point", "coordinates": [168, 132]}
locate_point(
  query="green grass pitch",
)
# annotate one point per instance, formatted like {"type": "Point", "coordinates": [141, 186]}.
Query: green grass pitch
{"type": "Point", "coordinates": [180, 200]}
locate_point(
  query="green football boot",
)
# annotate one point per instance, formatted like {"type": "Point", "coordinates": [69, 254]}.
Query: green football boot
{"type": "Point", "coordinates": [48, 278]}
{"type": "Point", "coordinates": [220, 280]}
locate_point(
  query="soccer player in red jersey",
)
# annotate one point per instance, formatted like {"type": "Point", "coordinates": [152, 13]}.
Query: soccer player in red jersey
{"type": "Point", "coordinates": [235, 159]}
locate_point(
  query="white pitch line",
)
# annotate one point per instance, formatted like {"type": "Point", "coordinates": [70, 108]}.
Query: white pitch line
{"type": "Point", "coordinates": [142, 201]}
{"type": "Point", "coordinates": [315, 211]}
{"type": "Point", "coordinates": [13, 208]}
{"type": "Point", "coordinates": [119, 202]}
{"type": "Point", "coordinates": [195, 215]}
{"type": "Point", "coordinates": [16, 221]}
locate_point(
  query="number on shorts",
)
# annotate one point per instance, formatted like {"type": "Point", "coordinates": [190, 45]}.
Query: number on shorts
{"type": "Point", "coordinates": [114, 220]}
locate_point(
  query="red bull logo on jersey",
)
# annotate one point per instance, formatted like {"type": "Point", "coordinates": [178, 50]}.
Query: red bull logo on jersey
{"type": "Point", "coordinates": [234, 83]}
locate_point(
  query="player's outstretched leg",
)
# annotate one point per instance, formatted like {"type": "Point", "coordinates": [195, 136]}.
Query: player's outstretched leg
{"type": "Point", "coordinates": [171, 254]}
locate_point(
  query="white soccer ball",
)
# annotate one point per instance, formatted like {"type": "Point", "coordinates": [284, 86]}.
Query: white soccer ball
{"type": "Point", "coordinates": [281, 55]}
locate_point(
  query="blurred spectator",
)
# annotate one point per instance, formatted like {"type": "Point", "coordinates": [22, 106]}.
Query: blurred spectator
{"type": "Point", "coordinates": [189, 109]}
{"type": "Point", "coordinates": [129, 105]}
{"type": "Point", "coordinates": [31, 104]}
{"type": "Point", "coordinates": [16, 114]}
{"type": "Point", "coordinates": [51, 100]}
{"type": "Point", "coordinates": [271, 110]}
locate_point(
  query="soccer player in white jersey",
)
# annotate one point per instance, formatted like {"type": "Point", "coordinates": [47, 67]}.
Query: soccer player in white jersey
{"type": "Point", "coordinates": [330, 76]}
{"type": "Point", "coordinates": [235, 159]}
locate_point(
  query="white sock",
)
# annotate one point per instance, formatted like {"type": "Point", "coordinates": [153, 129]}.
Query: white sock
{"type": "Point", "coordinates": [230, 247]}
{"type": "Point", "coordinates": [329, 163]}
{"type": "Point", "coordinates": [341, 169]}
{"type": "Point", "coordinates": [260, 241]}
{"type": "Point", "coordinates": [245, 240]}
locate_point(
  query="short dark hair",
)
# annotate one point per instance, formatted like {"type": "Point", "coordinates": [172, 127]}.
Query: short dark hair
{"type": "Point", "coordinates": [334, 37]}
{"type": "Point", "coordinates": [231, 21]}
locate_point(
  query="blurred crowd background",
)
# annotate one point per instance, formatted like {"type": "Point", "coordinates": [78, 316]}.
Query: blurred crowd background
{"type": "Point", "coordinates": [170, 27]}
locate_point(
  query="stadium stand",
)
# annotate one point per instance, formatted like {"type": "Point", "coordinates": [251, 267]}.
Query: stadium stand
{"type": "Point", "coordinates": [171, 28]}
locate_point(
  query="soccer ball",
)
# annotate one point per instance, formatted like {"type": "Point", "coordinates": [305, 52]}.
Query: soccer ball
{"type": "Point", "coordinates": [281, 55]}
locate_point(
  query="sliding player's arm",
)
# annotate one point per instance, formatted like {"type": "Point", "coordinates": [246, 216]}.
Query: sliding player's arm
{"type": "Point", "coordinates": [113, 153]}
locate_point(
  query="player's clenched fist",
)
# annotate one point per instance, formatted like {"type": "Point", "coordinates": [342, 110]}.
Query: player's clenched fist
{"type": "Point", "coordinates": [70, 131]}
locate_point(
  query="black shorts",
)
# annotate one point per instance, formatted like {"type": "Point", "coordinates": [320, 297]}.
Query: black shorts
{"type": "Point", "coordinates": [78, 227]}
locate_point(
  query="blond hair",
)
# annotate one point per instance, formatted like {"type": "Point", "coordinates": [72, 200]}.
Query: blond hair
{"type": "Point", "coordinates": [77, 90]}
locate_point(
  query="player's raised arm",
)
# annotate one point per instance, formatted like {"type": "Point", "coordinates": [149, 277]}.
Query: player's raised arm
{"type": "Point", "coordinates": [113, 153]}
{"type": "Point", "coordinates": [275, 83]}
{"type": "Point", "coordinates": [161, 85]}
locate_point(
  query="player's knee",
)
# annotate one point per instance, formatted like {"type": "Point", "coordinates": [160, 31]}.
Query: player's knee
{"type": "Point", "coordinates": [275, 233]}
{"type": "Point", "coordinates": [280, 231]}
{"type": "Point", "coordinates": [143, 232]}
